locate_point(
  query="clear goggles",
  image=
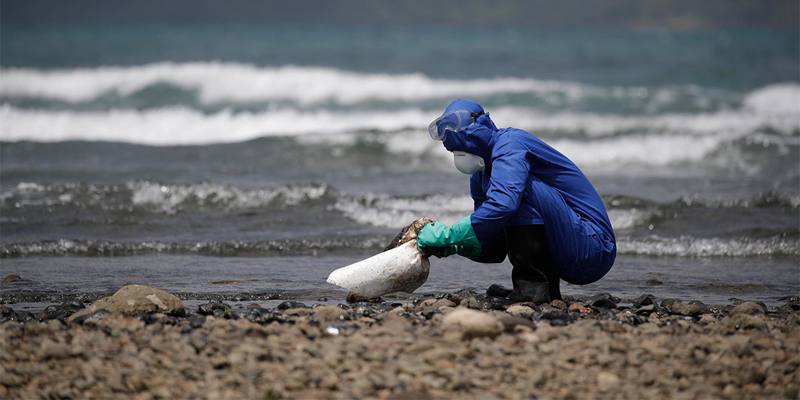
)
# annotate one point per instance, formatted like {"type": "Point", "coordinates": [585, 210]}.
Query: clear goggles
{"type": "Point", "coordinates": [455, 121]}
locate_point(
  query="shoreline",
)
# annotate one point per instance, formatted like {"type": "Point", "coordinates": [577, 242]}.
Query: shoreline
{"type": "Point", "coordinates": [454, 344]}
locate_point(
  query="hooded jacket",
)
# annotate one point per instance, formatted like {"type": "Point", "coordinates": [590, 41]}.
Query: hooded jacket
{"type": "Point", "coordinates": [527, 182]}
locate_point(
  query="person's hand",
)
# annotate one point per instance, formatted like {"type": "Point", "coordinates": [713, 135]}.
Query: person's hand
{"type": "Point", "coordinates": [440, 240]}
{"type": "Point", "coordinates": [434, 240]}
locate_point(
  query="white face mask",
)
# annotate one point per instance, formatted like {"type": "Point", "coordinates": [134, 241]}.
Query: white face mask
{"type": "Point", "coordinates": [467, 163]}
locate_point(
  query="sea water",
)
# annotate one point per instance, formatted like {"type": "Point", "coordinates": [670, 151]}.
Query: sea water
{"type": "Point", "coordinates": [184, 155]}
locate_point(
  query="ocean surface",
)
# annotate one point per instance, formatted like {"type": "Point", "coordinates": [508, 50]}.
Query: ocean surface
{"type": "Point", "coordinates": [184, 155]}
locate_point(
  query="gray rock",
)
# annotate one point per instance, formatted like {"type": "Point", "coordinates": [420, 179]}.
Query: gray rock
{"type": "Point", "coordinates": [510, 322]}
{"type": "Point", "coordinates": [607, 381]}
{"type": "Point", "coordinates": [690, 309]}
{"type": "Point", "coordinates": [433, 304]}
{"type": "Point", "coordinates": [558, 304]}
{"type": "Point", "coordinates": [329, 313]}
{"type": "Point", "coordinates": [136, 299]}
{"type": "Point", "coordinates": [519, 310]}
{"type": "Point", "coordinates": [749, 307]}
{"type": "Point", "coordinates": [470, 302]}
{"type": "Point", "coordinates": [467, 324]}
{"type": "Point", "coordinates": [744, 321]}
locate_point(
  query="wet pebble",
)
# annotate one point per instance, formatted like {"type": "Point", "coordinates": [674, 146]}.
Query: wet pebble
{"type": "Point", "coordinates": [255, 314]}
{"type": "Point", "coordinates": [23, 316]}
{"type": "Point", "coordinates": [557, 318]}
{"type": "Point", "coordinates": [291, 304]}
{"type": "Point", "coordinates": [558, 304]}
{"type": "Point", "coordinates": [92, 317]}
{"type": "Point", "coordinates": [791, 306]}
{"type": "Point", "coordinates": [644, 300]}
{"type": "Point", "coordinates": [60, 311]}
{"type": "Point", "coordinates": [579, 308]}
{"type": "Point", "coordinates": [646, 309]}
{"type": "Point", "coordinates": [147, 318]}
{"type": "Point", "coordinates": [213, 307]}
{"type": "Point", "coordinates": [496, 290]}
{"type": "Point", "coordinates": [6, 313]}
{"type": "Point", "coordinates": [603, 300]}
{"type": "Point", "coordinates": [197, 321]}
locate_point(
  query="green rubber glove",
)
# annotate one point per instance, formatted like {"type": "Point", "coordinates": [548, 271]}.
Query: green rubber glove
{"type": "Point", "coordinates": [440, 240]}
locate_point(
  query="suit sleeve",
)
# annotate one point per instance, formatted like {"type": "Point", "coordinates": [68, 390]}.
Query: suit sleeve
{"type": "Point", "coordinates": [510, 171]}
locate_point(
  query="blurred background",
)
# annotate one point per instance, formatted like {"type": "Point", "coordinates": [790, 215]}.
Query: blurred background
{"type": "Point", "coordinates": [269, 142]}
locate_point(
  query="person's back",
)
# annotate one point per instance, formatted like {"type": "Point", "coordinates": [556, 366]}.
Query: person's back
{"type": "Point", "coordinates": [560, 173]}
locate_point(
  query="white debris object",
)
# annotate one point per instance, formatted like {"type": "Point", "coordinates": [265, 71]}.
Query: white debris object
{"type": "Point", "coordinates": [401, 269]}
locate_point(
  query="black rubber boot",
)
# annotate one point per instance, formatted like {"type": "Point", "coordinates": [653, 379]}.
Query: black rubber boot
{"type": "Point", "coordinates": [496, 290]}
{"type": "Point", "coordinates": [534, 277]}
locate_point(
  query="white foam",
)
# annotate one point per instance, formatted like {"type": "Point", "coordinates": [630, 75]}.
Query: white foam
{"type": "Point", "coordinates": [393, 212]}
{"type": "Point", "coordinates": [597, 125]}
{"type": "Point", "coordinates": [589, 139]}
{"type": "Point", "coordinates": [628, 218]}
{"type": "Point", "coordinates": [169, 198]}
{"type": "Point", "coordinates": [688, 246]}
{"type": "Point", "coordinates": [780, 98]}
{"type": "Point", "coordinates": [218, 82]}
{"type": "Point", "coordinates": [169, 126]}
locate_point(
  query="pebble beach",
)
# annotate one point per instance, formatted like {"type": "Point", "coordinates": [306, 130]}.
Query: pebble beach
{"type": "Point", "coordinates": [142, 343]}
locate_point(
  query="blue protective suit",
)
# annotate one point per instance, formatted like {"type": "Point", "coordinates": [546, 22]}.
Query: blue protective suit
{"type": "Point", "coordinates": [527, 182]}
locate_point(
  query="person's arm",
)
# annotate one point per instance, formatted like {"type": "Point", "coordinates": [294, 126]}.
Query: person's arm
{"type": "Point", "coordinates": [481, 236]}
{"type": "Point", "coordinates": [510, 171]}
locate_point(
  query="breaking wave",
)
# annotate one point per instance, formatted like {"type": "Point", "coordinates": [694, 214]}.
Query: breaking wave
{"type": "Point", "coordinates": [215, 82]}
{"type": "Point", "coordinates": [685, 246]}
{"type": "Point", "coordinates": [709, 247]}
{"type": "Point", "coordinates": [370, 209]}
{"type": "Point", "coordinates": [289, 247]}
{"type": "Point", "coordinates": [160, 198]}
{"type": "Point", "coordinates": [590, 140]}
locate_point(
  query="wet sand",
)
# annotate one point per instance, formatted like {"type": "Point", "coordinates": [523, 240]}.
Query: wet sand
{"type": "Point", "coordinates": [455, 345]}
